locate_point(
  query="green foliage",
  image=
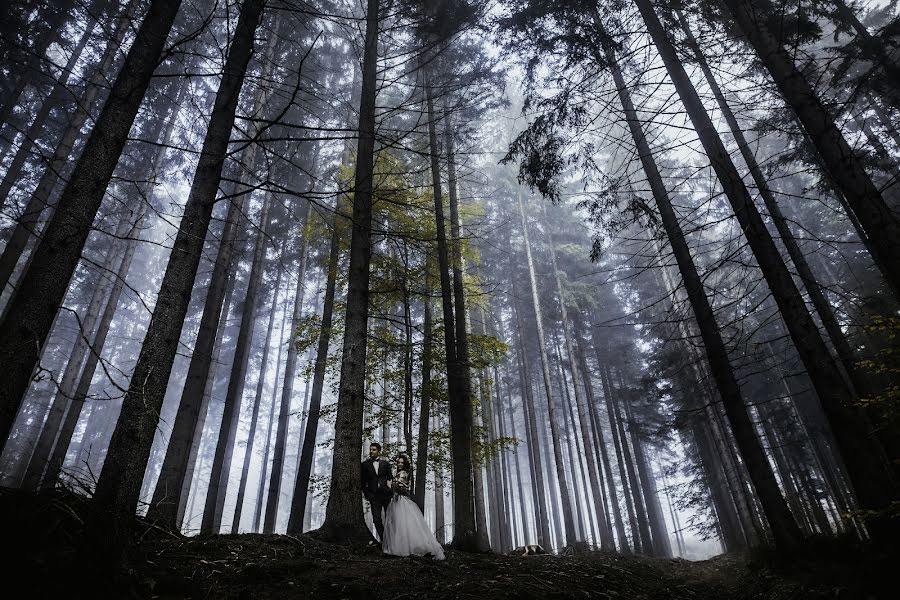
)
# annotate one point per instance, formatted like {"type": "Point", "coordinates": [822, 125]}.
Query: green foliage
{"type": "Point", "coordinates": [485, 451]}
{"type": "Point", "coordinates": [885, 364]}
{"type": "Point", "coordinates": [486, 350]}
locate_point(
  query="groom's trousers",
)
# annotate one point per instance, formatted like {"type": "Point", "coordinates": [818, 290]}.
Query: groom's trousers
{"type": "Point", "coordinates": [378, 504]}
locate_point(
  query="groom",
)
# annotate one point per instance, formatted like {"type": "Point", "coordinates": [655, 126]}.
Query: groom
{"type": "Point", "coordinates": [375, 476]}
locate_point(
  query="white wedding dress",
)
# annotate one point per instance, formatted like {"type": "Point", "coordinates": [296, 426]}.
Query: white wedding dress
{"type": "Point", "coordinates": [405, 530]}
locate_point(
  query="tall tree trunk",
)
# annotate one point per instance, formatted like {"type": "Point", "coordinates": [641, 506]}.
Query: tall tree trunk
{"type": "Point", "coordinates": [231, 414]}
{"type": "Point", "coordinates": [872, 478]}
{"type": "Point", "coordinates": [260, 493]}
{"type": "Point", "coordinates": [168, 495]}
{"type": "Point", "coordinates": [481, 532]}
{"type": "Point", "coordinates": [579, 484]}
{"type": "Point", "coordinates": [120, 481]}
{"type": "Point", "coordinates": [31, 312]}
{"type": "Point", "coordinates": [343, 517]}
{"type": "Point", "coordinates": [466, 535]}
{"type": "Point", "coordinates": [606, 381]}
{"type": "Point", "coordinates": [174, 478]}
{"type": "Point", "coordinates": [519, 507]}
{"type": "Point", "coordinates": [570, 536]}
{"type": "Point", "coordinates": [731, 533]}
{"type": "Point", "coordinates": [61, 401]}
{"type": "Point", "coordinates": [539, 497]}
{"type": "Point", "coordinates": [604, 452]}
{"type": "Point", "coordinates": [630, 462]}
{"type": "Point", "coordinates": [660, 537]}
{"type": "Point", "coordinates": [257, 400]}
{"type": "Point", "coordinates": [290, 373]}
{"type": "Point", "coordinates": [424, 389]}
{"type": "Point", "coordinates": [503, 474]}
{"type": "Point", "coordinates": [307, 452]}
{"type": "Point", "coordinates": [599, 444]}
{"type": "Point", "coordinates": [580, 401]}
{"type": "Point", "coordinates": [193, 453]}
{"type": "Point", "coordinates": [439, 519]}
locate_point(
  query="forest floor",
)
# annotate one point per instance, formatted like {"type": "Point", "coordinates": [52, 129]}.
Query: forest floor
{"type": "Point", "coordinates": [43, 531]}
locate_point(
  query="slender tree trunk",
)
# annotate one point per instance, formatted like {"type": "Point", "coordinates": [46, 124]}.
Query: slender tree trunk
{"type": "Point", "coordinates": [260, 493]}
{"type": "Point", "coordinates": [580, 401]}
{"type": "Point", "coordinates": [120, 481]}
{"type": "Point", "coordinates": [604, 452]}
{"type": "Point", "coordinates": [731, 532]}
{"type": "Point", "coordinates": [570, 535]}
{"type": "Point", "coordinates": [231, 414]}
{"type": "Point", "coordinates": [307, 452]}
{"type": "Point", "coordinates": [617, 444]}
{"type": "Point", "coordinates": [193, 454]}
{"type": "Point", "coordinates": [539, 497]}
{"type": "Point", "coordinates": [542, 515]}
{"type": "Point", "coordinates": [601, 459]}
{"type": "Point", "coordinates": [290, 373]}
{"type": "Point", "coordinates": [465, 530]}
{"type": "Point", "coordinates": [260, 384]}
{"type": "Point", "coordinates": [424, 389]}
{"type": "Point", "coordinates": [867, 466]}
{"type": "Point", "coordinates": [660, 537]}
{"type": "Point", "coordinates": [579, 483]}
{"type": "Point", "coordinates": [343, 517]}
{"type": "Point", "coordinates": [519, 507]}
{"type": "Point", "coordinates": [61, 401]}
{"type": "Point", "coordinates": [503, 474]}
{"type": "Point", "coordinates": [174, 478]}
{"type": "Point", "coordinates": [481, 533]}
{"type": "Point", "coordinates": [642, 543]}
{"type": "Point", "coordinates": [439, 520]}
{"type": "Point", "coordinates": [168, 495]}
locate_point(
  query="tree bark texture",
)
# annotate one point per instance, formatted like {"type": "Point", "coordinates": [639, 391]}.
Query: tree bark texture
{"type": "Point", "coordinates": [343, 516]}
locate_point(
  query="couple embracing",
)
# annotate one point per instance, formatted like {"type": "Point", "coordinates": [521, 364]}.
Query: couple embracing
{"type": "Point", "coordinates": [403, 530]}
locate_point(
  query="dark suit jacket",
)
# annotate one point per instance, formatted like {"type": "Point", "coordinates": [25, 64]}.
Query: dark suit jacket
{"type": "Point", "coordinates": [375, 485]}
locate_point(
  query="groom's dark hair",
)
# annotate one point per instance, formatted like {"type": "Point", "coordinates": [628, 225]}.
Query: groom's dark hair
{"type": "Point", "coordinates": [376, 444]}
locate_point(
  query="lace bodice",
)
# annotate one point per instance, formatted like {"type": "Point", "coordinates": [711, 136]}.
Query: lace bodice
{"type": "Point", "coordinates": [400, 483]}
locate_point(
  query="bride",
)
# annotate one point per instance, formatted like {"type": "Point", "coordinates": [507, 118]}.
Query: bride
{"type": "Point", "coordinates": [405, 529]}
